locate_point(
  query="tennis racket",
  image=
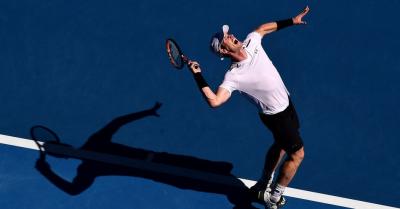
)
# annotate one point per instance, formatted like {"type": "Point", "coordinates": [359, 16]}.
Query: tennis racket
{"type": "Point", "coordinates": [175, 55]}
{"type": "Point", "coordinates": [44, 136]}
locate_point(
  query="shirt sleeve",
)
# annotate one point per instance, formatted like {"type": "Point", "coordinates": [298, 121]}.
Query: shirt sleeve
{"type": "Point", "coordinates": [252, 40]}
{"type": "Point", "coordinates": [228, 83]}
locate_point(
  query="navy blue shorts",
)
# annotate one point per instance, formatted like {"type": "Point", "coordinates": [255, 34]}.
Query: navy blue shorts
{"type": "Point", "coordinates": [285, 128]}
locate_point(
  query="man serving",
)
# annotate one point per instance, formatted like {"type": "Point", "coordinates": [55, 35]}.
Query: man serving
{"type": "Point", "coordinates": [253, 74]}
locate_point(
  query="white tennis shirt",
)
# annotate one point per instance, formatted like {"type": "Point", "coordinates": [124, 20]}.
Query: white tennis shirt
{"type": "Point", "coordinates": [257, 78]}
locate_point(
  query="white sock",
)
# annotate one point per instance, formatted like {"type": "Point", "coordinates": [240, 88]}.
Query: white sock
{"type": "Point", "coordinates": [266, 196]}
{"type": "Point", "coordinates": [277, 193]}
{"type": "Point", "coordinates": [268, 189]}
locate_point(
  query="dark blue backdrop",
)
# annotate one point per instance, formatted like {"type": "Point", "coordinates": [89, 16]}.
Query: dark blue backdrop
{"type": "Point", "coordinates": [75, 65]}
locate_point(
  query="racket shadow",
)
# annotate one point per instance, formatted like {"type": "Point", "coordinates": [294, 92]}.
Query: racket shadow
{"type": "Point", "coordinates": [102, 157]}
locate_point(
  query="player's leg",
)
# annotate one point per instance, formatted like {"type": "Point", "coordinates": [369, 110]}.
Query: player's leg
{"type": "Point", "coordinates": [286, 134]}
{"type": "Point", "coordinates": [286, 174]}
{"type": "Point", "coordinates": [272, 160]}
{"type": "Point", "coordinates": [289, 167]}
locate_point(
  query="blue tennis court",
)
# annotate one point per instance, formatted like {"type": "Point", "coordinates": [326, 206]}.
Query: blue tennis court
{"type": "Point", "coordinates": [76, 67]}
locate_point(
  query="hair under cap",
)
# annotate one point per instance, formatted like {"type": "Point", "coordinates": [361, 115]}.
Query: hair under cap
{"type": "Point", "coordinates": [216, 40]}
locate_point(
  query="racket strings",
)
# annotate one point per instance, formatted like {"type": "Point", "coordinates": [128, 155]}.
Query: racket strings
{"type": "Point", "coordinates": [43, 134]}
{"type": "Point", "coordinates": [174, 54]}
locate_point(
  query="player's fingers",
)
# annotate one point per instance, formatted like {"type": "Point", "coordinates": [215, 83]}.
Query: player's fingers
{"type": "Point", "coordinates": [305, 11]}
{"type": "Point", "coordinates": [193, 63]}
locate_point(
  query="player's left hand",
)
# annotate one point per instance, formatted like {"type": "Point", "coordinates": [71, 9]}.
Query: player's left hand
{"type": "Point", "coordinates": [298, 20]}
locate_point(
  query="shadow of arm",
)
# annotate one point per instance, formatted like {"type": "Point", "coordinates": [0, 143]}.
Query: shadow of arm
{"type": "Point", "coordinates": [77, 186]}
{"type": "Point", "coordinates": [120, 121]}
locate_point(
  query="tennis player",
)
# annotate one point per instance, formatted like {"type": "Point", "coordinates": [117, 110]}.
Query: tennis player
{"type": "Point", "coordinates": [253, 74]}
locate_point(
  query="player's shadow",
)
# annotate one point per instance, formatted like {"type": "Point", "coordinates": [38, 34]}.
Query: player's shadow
{"type": "Point", "coordinates": [102, 157]}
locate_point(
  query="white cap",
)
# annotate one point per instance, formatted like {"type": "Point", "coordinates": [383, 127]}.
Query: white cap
{"type": "Point", "coordinates": [225, 29]}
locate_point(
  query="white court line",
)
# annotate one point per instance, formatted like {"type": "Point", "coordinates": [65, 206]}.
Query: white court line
{"type": "Point", "coordinates": [290, 192]}
{"type": "Point", "coordinates": [324, 198]}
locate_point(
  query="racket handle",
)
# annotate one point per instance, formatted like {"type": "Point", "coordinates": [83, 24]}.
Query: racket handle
{"type": "Point", "coordinates": [184, 59]}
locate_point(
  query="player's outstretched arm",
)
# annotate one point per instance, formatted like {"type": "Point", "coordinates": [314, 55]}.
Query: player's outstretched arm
{"type": "Point", "coordinates": [280, 24]}
{"type": "Point", "coordinates": [214, 100]}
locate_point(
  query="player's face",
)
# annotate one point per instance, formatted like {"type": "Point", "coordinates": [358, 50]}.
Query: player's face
{"type": "Point", "coordinates": [231, 43]}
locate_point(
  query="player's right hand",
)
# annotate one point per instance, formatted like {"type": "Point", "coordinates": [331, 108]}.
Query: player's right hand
{"type": "Point", "coordinates": [194, 66]}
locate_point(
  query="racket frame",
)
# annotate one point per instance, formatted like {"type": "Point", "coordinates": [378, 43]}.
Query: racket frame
{"type": "Point", "coordinates": [42, 151]}
{"type": "Point", "coordinates": [184, 59]}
